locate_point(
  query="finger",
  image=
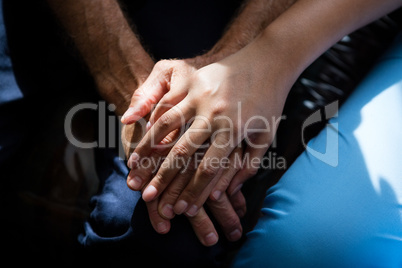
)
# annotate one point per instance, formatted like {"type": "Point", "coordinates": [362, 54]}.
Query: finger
{"type": "Point", "coordinates": [238, 202]}
{"type": "Point", "coordinates": [172, 192]}
{"type": "Point", "coordinates": [204, 228]}
{"type": "Point", "coordinates": [144, 170]}
{"type": "Point", "coordinates": [233, 165]}
{"type": "Point", "coordinates": [148, 94]}
{"type": "Point", "coordinates": [178, 156]}
{"type": "Point", "coordinates": [253, 155]}
{"type": "Point", "coordinates": [227, 218]}
{"type": "Point", "coordinates": [131, 135]}
{"type": "Point", "coordinates": [209, 167]}
{"type": "Point", "coordinates": [169, 100]}
{"type": "Point", "coordinates": [160, 224]}
{"type": "Point", "coordinates": [204, 196]}
{"type": "Point", "coordinates": [174, 119]}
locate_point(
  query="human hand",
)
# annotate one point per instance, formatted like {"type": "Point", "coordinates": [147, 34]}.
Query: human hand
{"type": "Point", "coordinates": [167, 75]}
{"type": "Point", "coordinates": [226, 210]}
{"type": "Point", "coordinates": [222, 111]}
{"type": "Point", "coordinates": [164, 75]}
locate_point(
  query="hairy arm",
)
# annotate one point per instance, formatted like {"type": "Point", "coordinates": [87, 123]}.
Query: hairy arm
{"type": "Point", "coordinates": [253, 17]}
{"type": "Point", "coordinates": [107, 44]}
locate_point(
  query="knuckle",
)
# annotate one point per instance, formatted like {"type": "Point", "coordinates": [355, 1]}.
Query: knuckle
{"type": "Point", "coordinates": [222, 140]}
{"type": "Point", "coordinates": [190, 196]}
{"type": "Point", "coordinates": [162, 64]}
{"type": "Point", "coordinates": [180, 151]}
{"type": "Point", "coordinates": [165, 121]}
{"type": "Point", "coordinates": [201, 223]}
{"type": "Point", "coordinates": [208, 171]}
{"type": "Point", "coordinates": [231, 221]}
{"type": "Point", "coordinates": [190, 168]}
{"type": "Point", "coordinates": [161, 151]}
{"type": "Point", "coordinates": [223, 183]}
{"type": "Point", "coordinates": [172, 194]}
{"type": "Point", "coordinates": [153, 214]}
{"type": "Point", "coordinates": [219, 108]}
{"type": "Point", "coordinates": [166, 100]}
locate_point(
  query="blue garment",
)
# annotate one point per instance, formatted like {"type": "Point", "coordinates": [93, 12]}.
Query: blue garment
{"type": "Point", "coordinates": [341, 208]}
{"type": "Point", "coordinates": [9, 92]}
{"type": "Point", "coordinates": [119, 226]}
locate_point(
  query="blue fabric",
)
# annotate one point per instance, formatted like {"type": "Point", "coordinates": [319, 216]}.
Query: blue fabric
{"type": "Point", "coordinates": [9, 90]}
{"type": "Point", "coordinates": [9, 93]}
{"type": "Point", "coordinates": [119, 228]}
{"type": "Point", "coordinates": [341, 208]}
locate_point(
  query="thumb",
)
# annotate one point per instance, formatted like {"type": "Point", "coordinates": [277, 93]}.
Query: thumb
{"type": "Point", "coordinates": [147, 95]}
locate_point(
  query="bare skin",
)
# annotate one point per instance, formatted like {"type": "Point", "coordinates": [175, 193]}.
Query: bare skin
{"type": "Point", "coordinates": [267, 67]}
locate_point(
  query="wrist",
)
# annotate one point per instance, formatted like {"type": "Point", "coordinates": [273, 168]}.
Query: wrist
{"type": "Point", "coordinates": [218, 53]}
{"type": "Point", "coordinates": [201, 60]}
{"type": "Point", "coordinates": [286, 51]}
{"type": "Point", "coordinates": [117, 86]}
{"type": "Point", "coordinates": [269, 56]}
{"type": "Point", "coordinates": [125, 67]}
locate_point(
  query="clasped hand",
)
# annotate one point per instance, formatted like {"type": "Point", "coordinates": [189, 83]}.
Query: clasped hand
{"type": "Point", "coordinates": [213, 118]}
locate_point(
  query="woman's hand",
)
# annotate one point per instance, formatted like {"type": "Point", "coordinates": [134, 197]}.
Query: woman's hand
{"type": "Point", "coordinates": [226, 210]}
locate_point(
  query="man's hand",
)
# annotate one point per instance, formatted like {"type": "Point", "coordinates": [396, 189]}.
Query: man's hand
{"type": "Point", "coordinates": [225, 210]}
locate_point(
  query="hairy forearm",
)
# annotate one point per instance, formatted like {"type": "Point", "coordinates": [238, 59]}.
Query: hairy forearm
{"type": "Point", "coordinates": [107, 44]}
{"type": "Point", "coordinates": [253, 17]}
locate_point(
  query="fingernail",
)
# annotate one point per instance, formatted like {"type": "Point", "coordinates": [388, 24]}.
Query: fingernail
{"type": "Point", "coordinates": [167, 211]}
{"type": "Point", "coordinates": [192, 211]}
{"type": "Point", "coordinates": [135, 183]}
{"type": "Point", "coordinates": [130, 112]}
{"type": "Point", "coordinates": [149, 193]}
{"type": "Point", "coordinates": [133, 160]}
{"type": "Point", "coordinates": [235, 235]}
{"type": "Point", "coordinates": [217, 195]}
{"type": "Point", "coordinates": [162, 227]}
{"type": "Point", "coordinates": [148, 126]}
{"type": "Point", "coordinates": [180, 207]}
{"type": "Point", "coordinates": [236, 189]}
{"type": "Point", "coordinates": [211, 239]}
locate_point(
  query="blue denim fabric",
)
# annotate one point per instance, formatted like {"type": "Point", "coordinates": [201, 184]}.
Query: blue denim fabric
{"type": "Point", "coordinates": [119, 225]}
{"type": "Point", "coordinates": [9, 90]}
{"type": "Point", "coordinates": [9, 93]}
{"type": "Point", "coordinates": [341, 209]}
